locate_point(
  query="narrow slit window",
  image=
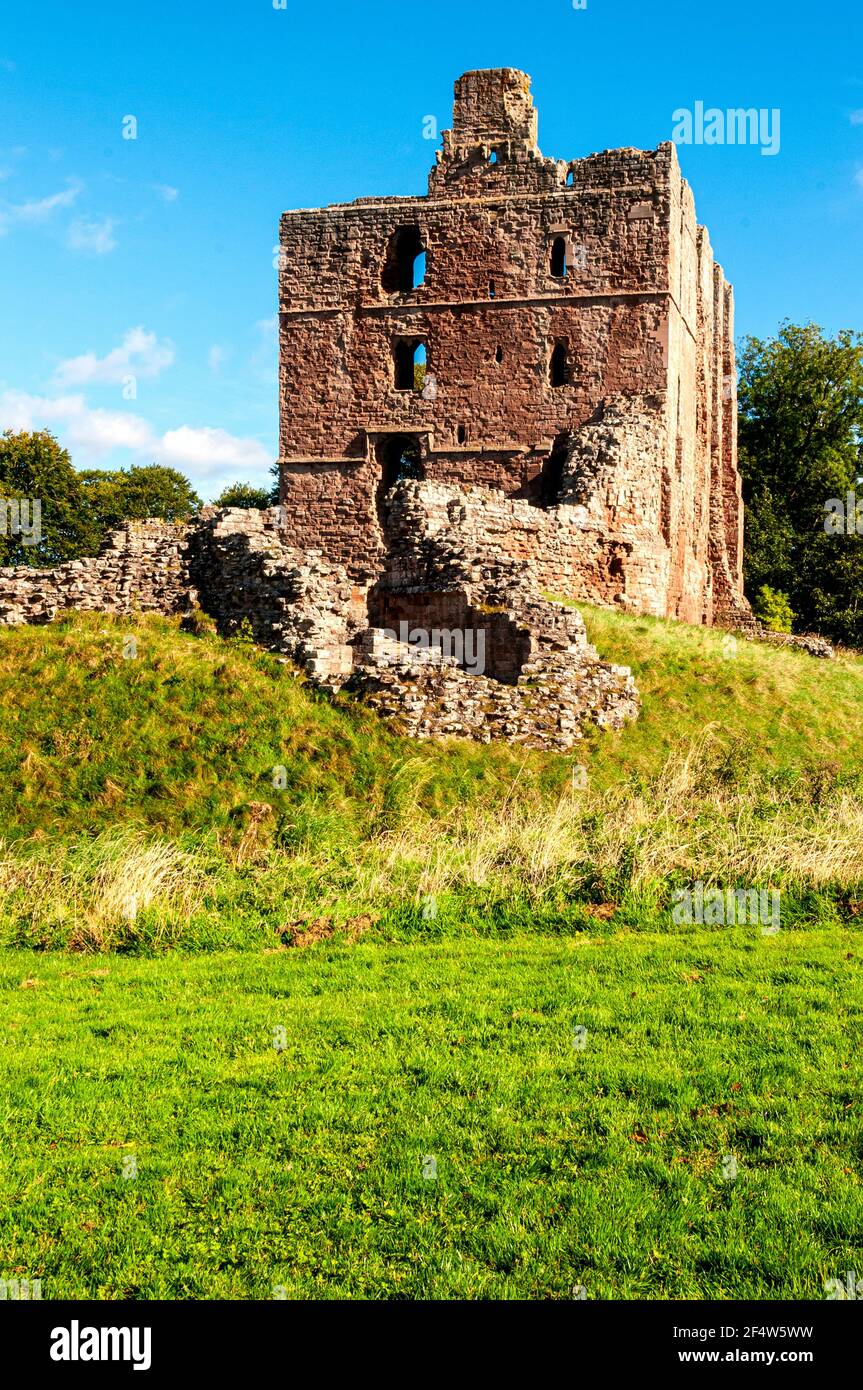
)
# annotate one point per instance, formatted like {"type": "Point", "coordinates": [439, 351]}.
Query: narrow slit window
{"type": "Point", "coordinates": [559, 367]}
{"type": "Point", "coordinates": [462, 434]}
{"type": "Point", "coordinates": [409, 364]}
{"type": "Point", "coordinates": [558, 257]}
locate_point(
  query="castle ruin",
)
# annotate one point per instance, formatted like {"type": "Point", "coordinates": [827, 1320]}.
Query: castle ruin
{"type": "Point", "coordinates": [550, 334]}
{"type": "Point", "coordinates": [498, 400]}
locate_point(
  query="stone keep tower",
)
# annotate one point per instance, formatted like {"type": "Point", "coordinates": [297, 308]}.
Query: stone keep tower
{"type": "Point", "coordinates": [578, 388]}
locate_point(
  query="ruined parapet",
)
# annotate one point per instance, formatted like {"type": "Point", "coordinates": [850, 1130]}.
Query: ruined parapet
{"type": "Point", "coordinates": [494, 128]}
{"type": "Point", "coordinates": [140, 567]}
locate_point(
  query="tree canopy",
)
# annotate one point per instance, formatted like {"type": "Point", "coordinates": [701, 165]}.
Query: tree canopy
{"type": "Point", "coordinates": [75, 510]}
{"type": "Point", "coordinates": [801, 445]}
{"type": "Point", "coordinates": [245, 495]}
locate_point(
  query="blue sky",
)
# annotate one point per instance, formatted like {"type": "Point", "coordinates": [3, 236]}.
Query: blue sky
{"type": "Point", "coordinates": [153, 257]}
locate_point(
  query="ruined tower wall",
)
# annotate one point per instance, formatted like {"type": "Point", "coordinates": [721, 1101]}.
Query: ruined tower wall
{"type": "Point", "coordinates": [641, 313]}
{"type": "Point", "coordinates": [489, 313]}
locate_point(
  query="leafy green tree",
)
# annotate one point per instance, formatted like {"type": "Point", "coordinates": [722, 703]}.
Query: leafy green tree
{"type": "Point", "coordinates": [244, 495]}
{"type": "Point", "coordinates": [801, 444]}
{"type": "Point", "coordinates": [773, 609]}
{"type": "Point", "coordinates": [50, 513]}
{"type": "Point", "coordinates": [135, 494]}
{"type": "Point", "coordinates": [40, 488]}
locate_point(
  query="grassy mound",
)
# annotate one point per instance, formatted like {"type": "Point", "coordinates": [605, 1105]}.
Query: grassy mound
{"type": "Point", "coordinates": [774, 710]}
{"type": "Point", "coordinates": [158, 788]}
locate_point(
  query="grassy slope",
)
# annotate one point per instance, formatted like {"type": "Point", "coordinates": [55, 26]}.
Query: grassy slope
{"type": "Point", "coordinates": [303, 1168]}
{"type": "Point", "coordinates": [192, 728]}
{"type": "Point", "coordinates": [776, 710]}
{"type": "Point", "coordinates": [177, 741]}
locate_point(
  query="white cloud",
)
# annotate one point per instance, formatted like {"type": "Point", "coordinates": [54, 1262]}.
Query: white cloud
{"type": "Point", "coordinates": [206, 451]}
{"type": "Point", "coordinates": [93, 432]}
{"type": "Point", "coordinates": [216, 358]}
{"type": "Point", "coordinates": [209, 456]}
{"type": "Point", "coordinates": [856, 117]}
{"type": "Point", "coordinates": [97, 237]}
{"type": "Point", "coordinates": [140, 354]}
{"type": "Point", "coordinates": [166, 192]}
{"type": "Point", "coordinates": [42, 208]}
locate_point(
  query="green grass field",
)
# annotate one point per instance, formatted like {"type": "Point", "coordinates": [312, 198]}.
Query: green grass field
{"type": "Point", "coordinates": [428, 1124]}
{"type": "Point", "coordinates": [556, 1165]}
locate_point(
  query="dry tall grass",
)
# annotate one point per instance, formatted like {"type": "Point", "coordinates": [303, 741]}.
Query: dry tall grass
{"type": "Point", "coordinates": [695, 822]}
{"type": "Point", "coordinates": [92, 892]}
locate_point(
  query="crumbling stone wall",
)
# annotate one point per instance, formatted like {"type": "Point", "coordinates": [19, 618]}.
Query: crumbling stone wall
{"type": "Point", "coordinates": [294, 601]}
{"type": "Point", "coordinates": [542, 682]}
{"type": "Point", "coordinates": [642, 314]}
{"type": "Point", "coordinates": [540, 685]}
{"type": "Point", "coordinates": [140, 566]}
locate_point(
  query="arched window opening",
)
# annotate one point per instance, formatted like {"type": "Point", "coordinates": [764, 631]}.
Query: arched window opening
{"type": "Point", "coordinates": [419, 367]}
{"type": "Point", "coordinates": [570, 179]}
{"type": "Point", "coordinates": [559, 367]}
{"type": "Point", "coordinates": [492, 159]}
{"type": "Point", "coordinates": [491, 289]}
{"type": "Point", "coordinates": [558, 257]}
{"type": "Point", "coordinates": [498, 356]}
{"type": "Point", "coordinates": [404, 265]}
{"type": "Point", "coordinates": [461, 434]}
{"type": "Point", "coordinates": [409, 362]}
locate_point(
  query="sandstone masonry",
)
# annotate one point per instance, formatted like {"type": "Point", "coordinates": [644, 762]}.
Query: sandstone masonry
{"type": "Point", "coordinates": [540, 681]}
{"type": "Point", "coordinates": [579, 361]}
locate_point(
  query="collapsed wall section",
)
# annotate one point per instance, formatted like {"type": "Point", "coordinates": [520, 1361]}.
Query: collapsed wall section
{"type": "Point", "coordinates": [141, 566]}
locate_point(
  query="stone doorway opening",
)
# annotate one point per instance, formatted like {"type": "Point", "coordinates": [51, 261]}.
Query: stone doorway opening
{"type": "Point", "coordinates": [399, 457]}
